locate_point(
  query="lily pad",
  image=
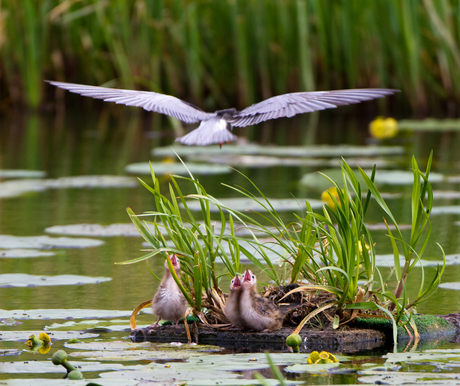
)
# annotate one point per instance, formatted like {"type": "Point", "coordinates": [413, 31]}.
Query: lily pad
{"type": "Point", "coordinates": [23, 336]}
{"type": "Point", "coordinates": [388, 261]}
{"type": "Point", "coordinates": [391, 177]}
{"type": "Point", "coordinates": [40, 367]}
{"type": "Point", "coordinates": [280, 151]}
{"type": "Point", "coordinates": [264, 161]}
{"type": "Point", "coordinates": [69, 314]}
{"type": "Point", "coordinates": [45, 242]}
{"type": "Point", "coordinates": [452, 286]}
{"type": "Point", "coordinates": [108, 325]}
{"type": "Point", "coordinates": [243, 204]}
{"type": "Point", "coordinates": [176, 168]}
{"type": "Point", "coordinates": [447, 194]}
{"type": "Point", "coordinates": [381, 226]}
{"type": "Point", "coordinates": [406, 378]}
{"type": "Point", "coordinates": [420, 356]}
{"type": "Point", "coordinates": [65, 382]}
{"type": "Point", "coordinates": [127, 351]}
{"type": "Point", "coordinates": [430, 124]}
{"type": "Point", "coordinates": [20, 173]}
{"type": "Point", "coordinates": [22, 253]}
{"type": "Point", "coordinates": [10, 280]}
{"type": "Point", "coordinates": [9, 352]}
{"type": "Point", "coordinates": [14, 188]}
{"type": "Point", "coordinates": [97, 230]}
{"type": "Point", "coordinates": [311, 368]}
{"type": "Point", "coordinates": [448, 209]}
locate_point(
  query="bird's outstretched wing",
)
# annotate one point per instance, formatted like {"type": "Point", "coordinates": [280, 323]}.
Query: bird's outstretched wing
{"type": "Point", "coordinates": [150, 101]}
{"type": "Point", "coordinates": [288, 105]}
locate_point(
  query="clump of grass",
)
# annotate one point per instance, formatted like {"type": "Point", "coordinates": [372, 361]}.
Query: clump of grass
{"type": "Point", "coordinates": [332, 251]}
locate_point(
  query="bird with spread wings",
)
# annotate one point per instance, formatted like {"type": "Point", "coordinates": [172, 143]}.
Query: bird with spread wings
{"type": "Point", "coordinates": [216, 127]}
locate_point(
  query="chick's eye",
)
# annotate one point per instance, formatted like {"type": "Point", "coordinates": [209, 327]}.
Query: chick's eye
{"type": "Point", "coordinates": [253, 276]}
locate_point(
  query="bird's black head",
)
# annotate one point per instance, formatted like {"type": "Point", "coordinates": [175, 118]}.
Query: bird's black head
{"type": "Point", "coordinates": [227, 113]}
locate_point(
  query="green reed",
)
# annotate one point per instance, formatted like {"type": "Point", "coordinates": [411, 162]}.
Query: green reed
{"type": "Point", "coordinates": [219, 53]}
{"type": "Point", "coordinates": [332, 251]}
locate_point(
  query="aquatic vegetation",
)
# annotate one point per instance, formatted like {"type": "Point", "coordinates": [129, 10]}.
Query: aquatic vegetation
{"type": "Point", "coordinates": [60, 358]}
{"type": "Point", "coordinates": [326, 249]}
{"type": "Point", "coordinates": [42, 344]}
{"type": "Point", "coordinates": [294, 341]}
{"type": "Point", "coordinates": [321, 358]}
{"type": "Point", "coordinates": [383, 128]}
{"type": "Point", "coordinates": [166, 46]}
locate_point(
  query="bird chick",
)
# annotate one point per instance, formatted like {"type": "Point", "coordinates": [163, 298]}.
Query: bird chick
{"type": "Point", "coordinates": [169, 302]}
{"type": "Point", "coordinates": [232, 305]}
{"type": "Point", "coordinates": [257, 312]}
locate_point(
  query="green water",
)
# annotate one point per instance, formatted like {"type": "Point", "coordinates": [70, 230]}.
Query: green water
{"type": "Point", "coordinates": [77, 145]}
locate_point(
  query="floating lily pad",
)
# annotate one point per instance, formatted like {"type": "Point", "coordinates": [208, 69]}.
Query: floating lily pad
{"type": "Point", "coordinates": [311, 368]}
{"type": "Point", "coordinates": [430, 124]}
{"type": "Point", "coordinates": [453, 259]}
{"type": "Point", "coordinates": [381, 226]}
{"type": "Point", "coordinates": [211, 367]}
{"type": "Point", "coordinates": [264, 161]}
{"type": "Point", "coordinates": [448, 194]}
{"type": "Point", "coordinates": [66, 382]}
{"type": "Point", "coordinates": [14, 188]}
{"type": "Point", "coordinates": [23, 336]}
{"type": "Point", "coordinates": [97, 230]}
{"type": "Point", "coordinates": [448, 209]}
{"type": "Point", "coordinates": [242, 204]}
{"type": "Point", "coordinates": [388, 261]}
{"type": "Point", "coordinates": [9, 352]}
{"type": "Point", "coordinates": [40, 367]}
{"type": "Point", "coordinates": [406, 378]}
{"type": "Point", "coordinates": [127, 351]}
{"type": "Point", "coordinates": [45, 242]}
{"type": "Point", "coordinates": [402, 357]}
{"type": "Point", "coordinates": [176, 168]}
{"type": "Point", "coordinates": [10, 322]}
{"type": "Point", "coordinates": [19, 173]}
{"type": "Point", "coordinates": [22, 253]}
{"type": "Point", "coordinates": [453, 179]}
{"type": "Point", "coordinates": [240, 382]}
{"type": "Point", "coordinates": [69, 314]}
{"type": "Point", "coordinates": [108, 325]}
{"type": "Point", "coordinates": [452, 286]}
{"type": "Point", "coordinates": [280, 151]}
{"type": "Point", "coordinates": [390, 177]}
{"type": "Point", "coordinates": [10, 280]}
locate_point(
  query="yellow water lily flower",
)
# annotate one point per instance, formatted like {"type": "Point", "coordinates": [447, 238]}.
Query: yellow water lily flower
{"type": "Point", "coordinates": [42, 344]}
{"type": "Point", "coordinates": [321, 358]}
{"type": "Point", "coordinates": [326, 196]}
{"type": "Point", "coordinates": [383, 128]}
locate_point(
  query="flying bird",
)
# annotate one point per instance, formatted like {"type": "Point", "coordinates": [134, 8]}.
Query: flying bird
{"type": "Point", "coordinates": [216, 127]}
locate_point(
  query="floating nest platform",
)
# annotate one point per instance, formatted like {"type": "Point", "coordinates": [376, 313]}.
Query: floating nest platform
{"type": "Point", "coordinates": [364, 334]}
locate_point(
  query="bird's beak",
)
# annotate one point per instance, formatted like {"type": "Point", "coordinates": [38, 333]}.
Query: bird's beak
{"type": "Point", "coordinates": [237, 281]}
{"type": "Point", "coordinates": [174, 260]}
{"type": "Point", "coordinates": [247, 275]}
